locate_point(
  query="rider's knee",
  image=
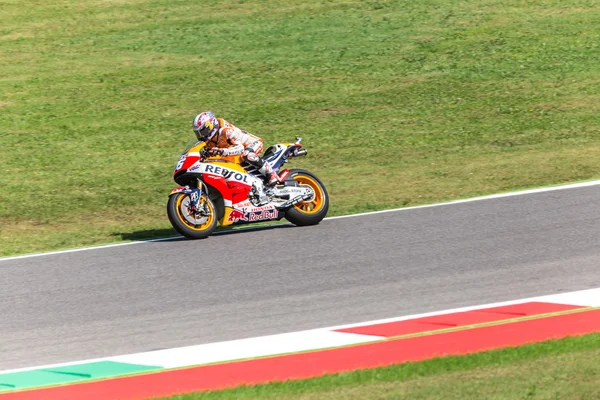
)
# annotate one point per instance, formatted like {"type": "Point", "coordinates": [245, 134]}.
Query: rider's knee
{"type": "Point", "coordinates": [255, 159]}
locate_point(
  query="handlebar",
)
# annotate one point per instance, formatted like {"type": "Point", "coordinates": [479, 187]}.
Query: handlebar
{"type": "Point", "coordinates": [203, 153]}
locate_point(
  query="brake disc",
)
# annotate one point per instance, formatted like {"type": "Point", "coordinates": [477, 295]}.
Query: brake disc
{"type": "Point", "coordinates": [194, 218]}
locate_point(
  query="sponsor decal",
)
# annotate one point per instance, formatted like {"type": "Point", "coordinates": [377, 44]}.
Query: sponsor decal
{"type": "Point", "coordinates": [261, 208]}
{"type": "Point", "coordinates": [284, 175]}
{"type": "Point", "coordinates": [237, 215]}
{"type": "Point", "coordinates": [293, 201]}
{"type": "Point", "coordinates": [262, 215]}
{"type": "Point", "coordinates": [243, 204]}
{"type": "Point", "coordinates": [250, 216]}
{"type": "Point", "coordinates": [228, 174]}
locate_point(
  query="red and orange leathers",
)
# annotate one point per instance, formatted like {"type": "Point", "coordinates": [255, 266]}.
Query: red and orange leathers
{"type": "Point", "coordinates": [234, 139]}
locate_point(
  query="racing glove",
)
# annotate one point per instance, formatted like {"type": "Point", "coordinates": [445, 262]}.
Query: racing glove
{"type": "Point", "coordinates": [216, 151]}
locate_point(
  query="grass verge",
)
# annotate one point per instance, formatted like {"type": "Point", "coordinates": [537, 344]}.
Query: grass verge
{"type": "Point", "coordinates": [400, 103]}
{"type": "Point", "coordinates": [558, 369]}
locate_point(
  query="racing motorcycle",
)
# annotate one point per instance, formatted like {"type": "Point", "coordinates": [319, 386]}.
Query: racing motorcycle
{"type": "Point", "coordinates": [223, 190]}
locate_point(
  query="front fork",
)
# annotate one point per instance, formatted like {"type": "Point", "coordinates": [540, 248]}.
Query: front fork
{"type": "Point", "coordinates": [195, 195]}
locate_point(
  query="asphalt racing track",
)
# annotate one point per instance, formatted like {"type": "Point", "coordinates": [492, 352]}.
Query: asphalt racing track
{"type": "Point", "coordinates": [119, 300]}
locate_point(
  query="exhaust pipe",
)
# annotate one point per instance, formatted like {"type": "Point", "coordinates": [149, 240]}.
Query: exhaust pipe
{"type": "Point", "coordinates": [301, 152]}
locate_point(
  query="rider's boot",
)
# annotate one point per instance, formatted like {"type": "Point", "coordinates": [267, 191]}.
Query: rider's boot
{"type": "Point", "coordinates": [268, 173]}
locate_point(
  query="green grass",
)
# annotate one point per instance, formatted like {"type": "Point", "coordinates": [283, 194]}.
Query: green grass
{"type": "Point", "coordinates": [559, 369]}
{"type": "Point", "coordinates": [399, 102]}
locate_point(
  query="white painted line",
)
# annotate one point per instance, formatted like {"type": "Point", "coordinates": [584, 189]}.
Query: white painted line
{"type": "Point", "coordinates": [590, 298]}
{"type": "Point", "coordinates": [246, 348]}
{"type": "Point", "coordinates": [490, 197]}
{"type": "Point", "coordinates": [105, 246]}
{"type": "Point", "coordinates": [294, 342]}
{"type": "Point", "coordinates": [473, 199]}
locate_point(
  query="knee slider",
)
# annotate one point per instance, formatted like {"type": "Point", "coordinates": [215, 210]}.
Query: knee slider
{"type": "Point", "coordinates": [254, 159]}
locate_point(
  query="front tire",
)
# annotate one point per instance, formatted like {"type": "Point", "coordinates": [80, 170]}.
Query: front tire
{"type": "Point", "coordinates": [189, 224]}
{"type": "Point", "coordinates": [312, 211]}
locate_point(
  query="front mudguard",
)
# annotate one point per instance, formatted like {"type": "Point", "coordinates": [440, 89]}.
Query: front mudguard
{"type": "Point", "coordinates": [180, 189]}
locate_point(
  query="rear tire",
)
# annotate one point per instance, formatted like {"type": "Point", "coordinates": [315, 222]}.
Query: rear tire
{"type": "Point", "coordinates": [188, 224]}
{"type": "Point", "coordinates": [309, 212]}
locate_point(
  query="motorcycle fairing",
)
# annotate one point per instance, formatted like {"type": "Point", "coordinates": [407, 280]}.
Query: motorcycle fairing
{"type": "Point", "coordinates": [189, 157]}
{"type": "Point", "coordinates": [230, 172]}
{"type": "Point", "coordinates": [228, 178]}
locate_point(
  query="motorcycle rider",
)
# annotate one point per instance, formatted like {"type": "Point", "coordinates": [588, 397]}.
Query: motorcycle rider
{"type": "Point", "coordinates": [224, 138]}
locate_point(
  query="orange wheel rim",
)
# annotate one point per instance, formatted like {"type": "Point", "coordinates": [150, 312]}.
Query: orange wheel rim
{"type": "Point", "coordinates": [197, 227]}
{"type": "Point", "coordinates": [315, 204]}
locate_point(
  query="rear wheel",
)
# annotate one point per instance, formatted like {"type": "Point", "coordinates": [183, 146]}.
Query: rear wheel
{"type": "Point", "coordinates": [313, 210]}
{"type": "Point", "coordinates": [192, 224]}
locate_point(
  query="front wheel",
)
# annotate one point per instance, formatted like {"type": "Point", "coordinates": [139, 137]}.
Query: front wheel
{"type": "Point", "coordinates": [311, 211]}
{"type": "Point", "coordinates": [192, 224]}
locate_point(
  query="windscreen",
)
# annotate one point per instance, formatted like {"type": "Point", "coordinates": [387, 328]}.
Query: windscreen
{"type": "Point", "coordinates": [190, 144]}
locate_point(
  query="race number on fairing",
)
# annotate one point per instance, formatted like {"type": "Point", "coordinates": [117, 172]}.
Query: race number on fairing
{"type": "Point", "coordinates": [180, 163]}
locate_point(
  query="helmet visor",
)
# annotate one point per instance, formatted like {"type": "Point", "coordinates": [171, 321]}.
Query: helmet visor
{"type": "Point", "coordinates": [202, 132]}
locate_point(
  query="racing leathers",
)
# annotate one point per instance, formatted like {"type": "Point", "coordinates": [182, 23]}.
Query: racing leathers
{"type": "Point", "coordinates": [231, 141]}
